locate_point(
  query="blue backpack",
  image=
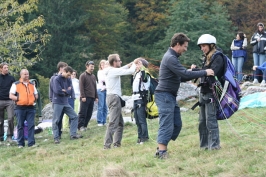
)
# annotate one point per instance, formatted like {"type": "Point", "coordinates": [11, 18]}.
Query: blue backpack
{"type": "Point", "coordinates": [226, 95]}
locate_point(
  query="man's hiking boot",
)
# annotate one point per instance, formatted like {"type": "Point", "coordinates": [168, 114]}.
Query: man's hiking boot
{"type": "Point", "coordinates": [34, 146]}
{"type": "Point", "coordinates": [74, 137]}
{"type": "Point", "coordinates": [161, 155]}
{"type": "Point", "coordinates": [117, 145]}
{"type": "Point", "coordinates": [56, 141]}
{"type": "Point", "coordinates": [82, 129]}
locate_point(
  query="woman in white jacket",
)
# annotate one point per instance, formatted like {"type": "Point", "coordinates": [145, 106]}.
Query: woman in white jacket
{"type": "Point", "coordinates": [101, 90]}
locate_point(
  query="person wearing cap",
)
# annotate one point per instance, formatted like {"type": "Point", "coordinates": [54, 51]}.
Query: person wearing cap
{"type": "Point", "coordinates": [208, 124]}
{"type": "Point", "coordinates": [140, 87]}
{"type": "Point", "coordinates": [88, 94]}
{"type": "Point", "coordinates": [258, 41]}
{"type": "Point", "coordinates": [171, 74]}
{"type": "Point", "coordinates": [113, 73]}
{"type": "Point", "coordinates": [239, 54]}
{"type": "Point", "coordinates": [6, 103]}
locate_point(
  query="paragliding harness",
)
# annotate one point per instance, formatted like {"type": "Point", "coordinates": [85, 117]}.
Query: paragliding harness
{"type": "Point", "coordinates": [226, 95]}
{"type": "Point", "coordinates": [147, 95]}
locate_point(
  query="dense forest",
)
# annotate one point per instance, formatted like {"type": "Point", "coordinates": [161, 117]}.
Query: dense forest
{"type": "Point", "coordinates": [38, 34]}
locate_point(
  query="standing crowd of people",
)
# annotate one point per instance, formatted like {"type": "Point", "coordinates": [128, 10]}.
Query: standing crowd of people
{"type": "Point", "coordinates": [239, 54]}
{"type": "Point", "coordinates": [76, 97]}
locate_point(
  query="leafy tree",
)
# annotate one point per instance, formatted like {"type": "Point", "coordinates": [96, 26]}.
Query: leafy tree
{"type": "Point", "coordinates": [69, 42]}
{"type": "Point", "coordinates": [194, 18]}
{"type": "Point", "coordinates": [43, 88]}
{"type": "Point", "coordinates": [106, 27]}
{"type": "Point", "coordinates": [148, 19]}
{"type": "Point", "coordinates": [245, 14]}
{"type": "Point", "coordinates": [21, 41]}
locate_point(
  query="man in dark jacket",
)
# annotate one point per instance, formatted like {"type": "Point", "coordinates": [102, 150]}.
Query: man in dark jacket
{"type": "Point", "coordinates": [60, 66]}
{"type": "Point", "coordinates": [62, 89]}
{"type": "Point", "coordinates": [88, 94]}
{"type": "Point", "coordinates": [6, 103]}
{"type": "Point", "coordinates": [170, 75]}
{"type": "Point", "coordinates": [258, 41]}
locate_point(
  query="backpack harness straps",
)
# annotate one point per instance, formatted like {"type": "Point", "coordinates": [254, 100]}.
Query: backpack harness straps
{"type": "Point", "coordinates": [210, 100]}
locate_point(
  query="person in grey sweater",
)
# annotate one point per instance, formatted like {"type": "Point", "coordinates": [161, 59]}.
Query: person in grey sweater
{"type": "Point", "coordinates": [113, 88]}
{"type": "Point", "coordinates": [171, 74]}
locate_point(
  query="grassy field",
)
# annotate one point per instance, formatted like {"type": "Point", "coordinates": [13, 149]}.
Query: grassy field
{"type": "Point", "coordinates": [243, 141]}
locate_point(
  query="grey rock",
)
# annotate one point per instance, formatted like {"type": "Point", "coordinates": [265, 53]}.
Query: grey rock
{"type": "Point", "coordinates": [186, 91]}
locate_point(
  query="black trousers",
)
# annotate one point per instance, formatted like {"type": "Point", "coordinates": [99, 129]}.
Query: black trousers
{"type": "Point", "coordinates": [85, 111]}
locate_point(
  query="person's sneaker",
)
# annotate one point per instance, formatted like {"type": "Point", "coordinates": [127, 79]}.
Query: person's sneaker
{"type": "Point", "coordinates": [82, 129]}
{"type": "Point", "coordinates": [216, 148]}
{"type": "Point", "coordinates": [117, 145]}
{"type": "Point", "coordinates": [263, 84]}
{"type": "Point", "coordinates": [255, 81]}
{"type": "Point", "coordinates": [100, 125]}
{"type": "Point", "coordinates": [106, 148]}
{"type": "Point", "coordinates": [34, 146]}
{"type": "Point", "coordinates": [138, 141]}
{"type": "Point", "coordinates": [163, 155]}
{"type": "Point", "coordinates": [56, 141]}
{"type": "Point", "coordinates": [10, 141]}
{"type": "Point", "coordinates": [74, 137]}
{"type": "Point", "coordinates": [20, 146]}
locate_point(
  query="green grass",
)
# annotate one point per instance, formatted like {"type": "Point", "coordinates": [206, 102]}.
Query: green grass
{"type": "Point", "coordinates": [243, 141]}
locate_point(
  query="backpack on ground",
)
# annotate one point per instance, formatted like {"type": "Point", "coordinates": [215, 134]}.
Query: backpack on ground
{"type": "Point", "coordinates": [226, 96]}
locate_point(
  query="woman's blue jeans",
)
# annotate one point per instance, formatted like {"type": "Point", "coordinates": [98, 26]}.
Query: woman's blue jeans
{"type": "Point", "coordinates": [238, 64]}
{"type": "Point", "coordinates": [102, 107]}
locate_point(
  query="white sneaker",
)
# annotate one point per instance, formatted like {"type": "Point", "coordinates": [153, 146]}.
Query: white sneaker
{"type": "Point", "coordinates": [263, 84]}
{"type": "Point", "coordinates": [100, 125]}
{"type": "Point", "coordinates": [82, 129]}
{"type": "Point", "coordinates": [255, 81]}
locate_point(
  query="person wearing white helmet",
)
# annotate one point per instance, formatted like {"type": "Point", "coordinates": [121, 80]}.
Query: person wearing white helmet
{"type": "Point", "coordinates": [171, 74]}
{"type": "Point", "coordinates": [258, 41]}
{"type": "Point", "coordinates": [208, 124]}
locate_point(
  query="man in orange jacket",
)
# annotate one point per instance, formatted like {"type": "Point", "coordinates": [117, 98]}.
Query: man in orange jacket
{"type": "Point", "coordinates": [24, 94]}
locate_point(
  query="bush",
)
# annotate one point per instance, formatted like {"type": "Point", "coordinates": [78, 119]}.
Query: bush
{"type": "Point", "coordinates": [43, 88]}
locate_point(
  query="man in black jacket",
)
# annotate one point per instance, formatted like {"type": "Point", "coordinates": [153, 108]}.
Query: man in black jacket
{"type": "Point", "coordinates": [6, 103]}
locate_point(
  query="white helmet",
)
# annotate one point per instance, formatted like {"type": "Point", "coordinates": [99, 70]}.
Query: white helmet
{"type": "Point", "coordinates": [206, 39]}
{"type": "Point", "coordinates": [260, 24]}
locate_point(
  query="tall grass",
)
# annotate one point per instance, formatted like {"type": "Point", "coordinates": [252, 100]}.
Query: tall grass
{"type": "Point", "coordinates": [243, 141]}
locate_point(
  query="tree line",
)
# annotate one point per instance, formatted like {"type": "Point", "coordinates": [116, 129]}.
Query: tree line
{"type": "Point", "coordinates": [38, 34]}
